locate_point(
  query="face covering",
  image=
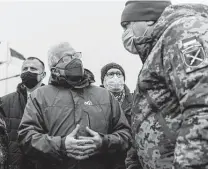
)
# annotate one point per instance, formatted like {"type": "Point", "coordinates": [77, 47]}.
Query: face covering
{"type": "Point", "coordinates": [128, 41]}
{"type": "Point", "coordinates": [71, 72]}
{"type": "Point", "coordinates": [114, 84]}
{"type": "Point", "coordinates": [29, 79]}
{"type": "Point", "coordinates": [141, 45]}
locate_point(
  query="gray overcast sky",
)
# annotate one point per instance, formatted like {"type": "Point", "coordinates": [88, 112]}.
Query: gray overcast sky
{"type": "Point", "coordinates": [92, 27]}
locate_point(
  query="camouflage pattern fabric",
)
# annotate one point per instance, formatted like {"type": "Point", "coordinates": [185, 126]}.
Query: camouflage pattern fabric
{"type": "Point", "coordinates": [175, 76]}
{"type": "Point", "coordinates": [3, 145]}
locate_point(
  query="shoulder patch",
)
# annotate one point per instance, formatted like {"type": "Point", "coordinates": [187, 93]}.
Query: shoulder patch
{"type": "Point", "coordinates": [193, 54]}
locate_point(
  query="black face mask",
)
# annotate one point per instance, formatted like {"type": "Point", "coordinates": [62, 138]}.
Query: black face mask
{"type": "Point", "coordinates": [68, 73]}
{"type": "Point", "coordinates": [74, 70]}
{"type": "Point", "coordinates": [29, 79]}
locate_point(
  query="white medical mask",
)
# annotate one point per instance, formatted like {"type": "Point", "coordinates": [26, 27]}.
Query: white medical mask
{"type": "Point", "coordinates": [128, 41]}
{"type": "Point", "coordinates": [129, 36]}
{"type": "Point", "coordinates": [114, 84]}
{"type": "Point", "coordinates": [135, 44]}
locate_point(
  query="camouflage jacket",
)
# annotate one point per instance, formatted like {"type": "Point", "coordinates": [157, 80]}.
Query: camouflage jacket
{"type": "Point", "coordinates": [174, 77]}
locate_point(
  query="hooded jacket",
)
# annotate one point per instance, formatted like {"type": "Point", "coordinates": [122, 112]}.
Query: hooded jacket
{"type": "Point", "coordinates": [12, 109]}
{"type": "Point", "coordinates": [53, 111]}
{"type": "Point", "coordinates": [169, 110]}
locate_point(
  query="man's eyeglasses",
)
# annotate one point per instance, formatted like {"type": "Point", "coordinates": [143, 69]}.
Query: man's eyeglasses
{"type": "Point", "coordinates": [67, 57]}
{"type": "Point", "coordinates": [111, 74]}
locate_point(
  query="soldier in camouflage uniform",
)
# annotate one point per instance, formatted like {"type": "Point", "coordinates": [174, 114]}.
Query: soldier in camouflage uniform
{"type": "Point", "coordinates": [170, 108]}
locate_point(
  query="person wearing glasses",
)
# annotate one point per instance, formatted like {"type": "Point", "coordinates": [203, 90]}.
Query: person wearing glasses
{"type": "Point", "coordinates": [72, 123]}
{"type": "Point", "coordinates": [113, 79]}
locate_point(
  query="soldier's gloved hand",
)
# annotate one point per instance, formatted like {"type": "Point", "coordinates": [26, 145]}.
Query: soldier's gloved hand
{"type": "Point", "coordinates": [97, 140]}
{"type": "Point", "coordinates": [76, 148]}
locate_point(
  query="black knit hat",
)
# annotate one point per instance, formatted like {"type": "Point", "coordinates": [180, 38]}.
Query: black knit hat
{"type": "Point", "coordinates": [109, 66]}
{"type": "Point", "coordinates": [143, 10]}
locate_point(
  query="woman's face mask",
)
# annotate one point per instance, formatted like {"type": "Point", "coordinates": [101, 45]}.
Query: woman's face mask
{"type": "Point", "coordinates": [114, 81]}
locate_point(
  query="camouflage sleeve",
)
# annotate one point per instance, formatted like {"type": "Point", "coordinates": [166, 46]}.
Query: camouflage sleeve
{"type": "Point", "coordinates": [186, 64]}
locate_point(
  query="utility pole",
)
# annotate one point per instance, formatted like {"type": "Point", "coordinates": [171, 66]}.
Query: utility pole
{"type": "Point", "coordinates": [7, 66]}
{"type": "Point", "coordinates": [4, 63]}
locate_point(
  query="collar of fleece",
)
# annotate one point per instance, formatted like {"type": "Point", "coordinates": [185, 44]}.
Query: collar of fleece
{"type": "Point", "coordinates": [87, 79]}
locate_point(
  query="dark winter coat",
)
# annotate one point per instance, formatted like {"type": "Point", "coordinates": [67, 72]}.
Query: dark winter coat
{"type": "Point", "coordinates": [118, 158]}
{"type": "Point", "coordinates": [53, 111]}
{"type": "Point", "coordinates": [12, 109]}
{"type": "Point", "coordinates": [127, 103]}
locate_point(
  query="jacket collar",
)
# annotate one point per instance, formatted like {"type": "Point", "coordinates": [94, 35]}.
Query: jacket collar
{"type": "Point", "coordinates": [23, 90]}
{"type": "Point", "coordinates": [87, 79]}
{"type": "Point", "coordinates": [22, 94]}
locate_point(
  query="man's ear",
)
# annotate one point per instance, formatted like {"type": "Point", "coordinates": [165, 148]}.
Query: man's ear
{"type": "Point", "coordinates": [44, 74]}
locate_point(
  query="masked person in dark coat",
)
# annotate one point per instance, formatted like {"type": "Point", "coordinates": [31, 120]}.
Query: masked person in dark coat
{"type": "Point", "coordinates": [113, 79]}
{"type": "Point", "coordinates": [170, 107]}
{"type": "Point", "coordinates": [12, 109]}
{"type": "Point", "coordinates": [71, 123]}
